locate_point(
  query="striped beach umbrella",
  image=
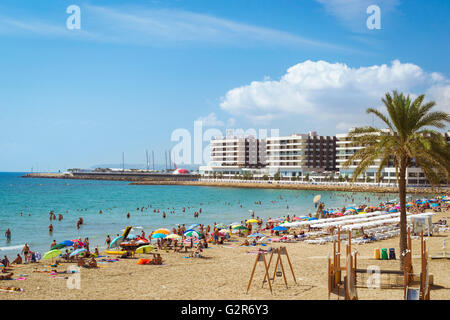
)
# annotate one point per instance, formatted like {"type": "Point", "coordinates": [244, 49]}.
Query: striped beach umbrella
{"type": "Point", "coordinates": [192, 233]}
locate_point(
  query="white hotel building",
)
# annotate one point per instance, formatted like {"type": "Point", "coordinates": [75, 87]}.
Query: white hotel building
{"type": "Point", "coordinates": [344, 150]}
{"type": "Point", "coordinates": [291, 156]}
{"type": "Point", "coordinates": [299, 154]}
{"type": "Point", "coordinates": [234, 155]}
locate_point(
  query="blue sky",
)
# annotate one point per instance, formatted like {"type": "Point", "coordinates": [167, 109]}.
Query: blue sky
{"type": "Point", "coordinates": [138, 70]}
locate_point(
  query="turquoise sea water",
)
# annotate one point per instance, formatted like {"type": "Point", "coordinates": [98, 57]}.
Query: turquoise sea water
{"type": "Point", "coordinates": [85, 198]}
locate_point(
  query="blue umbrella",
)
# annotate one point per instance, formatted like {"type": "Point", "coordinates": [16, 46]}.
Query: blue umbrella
{"type": "Point", "coordinates": [67, 243]}
{"type": "Point", "coordinates": [254, 235]}
{"type": "Point", "coordinates": [78, 251]}
{"type": "Point", "coordinates": [131, 236]}
{"type": "Point", "coordinates": [158, 235]}
{"type": "Point", "coordinates": [435, 205]}
{"type": "Point", "coordinates": [279, 228]}
{"type": "Point", "coordinates": [309, 219]}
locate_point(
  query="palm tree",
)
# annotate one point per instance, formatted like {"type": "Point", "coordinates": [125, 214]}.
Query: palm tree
{"type": "Point", "coordinates": [411, 139]}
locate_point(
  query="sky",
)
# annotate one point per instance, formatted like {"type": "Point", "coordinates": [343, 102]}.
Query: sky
{"type": "Point", "coordinates": [137, 72]}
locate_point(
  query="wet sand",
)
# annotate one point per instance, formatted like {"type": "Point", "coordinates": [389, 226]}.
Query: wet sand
{"type": "Point", "coordinates": [224, 274]}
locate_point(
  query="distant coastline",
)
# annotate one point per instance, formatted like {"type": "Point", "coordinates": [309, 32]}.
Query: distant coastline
{"type": "Point", "coordinates": [195, 181]}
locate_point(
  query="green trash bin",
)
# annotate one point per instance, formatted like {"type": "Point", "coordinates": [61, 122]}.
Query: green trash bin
{"type": "Point", "coordinates": [384, 254]}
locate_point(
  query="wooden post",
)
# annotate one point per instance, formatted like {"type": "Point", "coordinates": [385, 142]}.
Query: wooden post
{"type": "Point", "coordinates": [260, 257]}
{"type": "Point", "coordinates": [284, 251]}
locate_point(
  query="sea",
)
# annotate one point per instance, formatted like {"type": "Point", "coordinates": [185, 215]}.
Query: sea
{"type": "Point", "coordinates": [25, 204]}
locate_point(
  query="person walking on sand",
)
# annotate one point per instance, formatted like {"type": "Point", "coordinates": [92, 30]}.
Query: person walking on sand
{"type": "Point", "coordinates": [8, 235]}
{"type": "Point", "coordinates": [25, 251]}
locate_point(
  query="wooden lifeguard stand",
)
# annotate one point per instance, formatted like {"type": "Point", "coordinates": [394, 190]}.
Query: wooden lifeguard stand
{"type": "Point", "coordinates": [260, 257]}
{"type": "Point", "coordinates": [423, 292]}
{"type": "Point", "coordinates": [282, 251]}
{"type": "Point", "coordinates": [335, 283]}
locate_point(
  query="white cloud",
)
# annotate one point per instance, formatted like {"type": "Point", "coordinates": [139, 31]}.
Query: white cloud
{"type": "Point", "coordinates": [158, 27]}
{"type": "Point", "coordinates": [211, 120]}
{"type": "Point", "coordinates": [332, 92]}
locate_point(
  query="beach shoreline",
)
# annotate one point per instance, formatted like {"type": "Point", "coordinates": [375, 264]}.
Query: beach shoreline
{"type": "Point", "coordinates": [252, 185]}
{"type": "Point", "coordinates": [223, 275]}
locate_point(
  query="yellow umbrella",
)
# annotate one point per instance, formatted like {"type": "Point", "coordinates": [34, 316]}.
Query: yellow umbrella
{"type": "Point", "coordinates": [252, 221]}
{"type": "Point", "coordinates": [163, 231]}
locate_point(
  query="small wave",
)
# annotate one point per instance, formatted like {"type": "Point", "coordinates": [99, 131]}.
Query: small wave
{"type": "Point", "coordinates": [20, 246]}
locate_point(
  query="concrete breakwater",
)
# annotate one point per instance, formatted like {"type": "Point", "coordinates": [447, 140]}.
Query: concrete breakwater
{"type": "Point", "coordinates": [115, 176]}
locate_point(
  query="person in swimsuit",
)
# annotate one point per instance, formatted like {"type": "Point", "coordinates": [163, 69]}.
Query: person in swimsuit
{"type": "Point", "coordinates": [8, 235]}
{"type": "Point", "coordinates": [108, 240]}
{"type": "Point", "coordinates": [18, 260]}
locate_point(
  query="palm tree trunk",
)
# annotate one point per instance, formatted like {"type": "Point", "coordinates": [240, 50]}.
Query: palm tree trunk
{"type": "Point", "coordinates": [403, 221]}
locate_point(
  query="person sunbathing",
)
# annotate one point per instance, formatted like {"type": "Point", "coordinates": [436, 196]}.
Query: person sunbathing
{"type": "Point", "coordinates": [157, 260]}
{"type": "Point", "coordinates": [18, 260]}
{"type": "Point", "coordinates": [92, 263]}
{"type": "Point", "coordinates": [81, 262]}
{"type": "Point", "coordinates": [245, 243]}
{"type": "Point", "coordinates": [6, 276]}
{"type": "Point", "coordinates": [5, 262]}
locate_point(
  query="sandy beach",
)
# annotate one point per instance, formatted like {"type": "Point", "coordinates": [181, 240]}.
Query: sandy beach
{"type": "Point", "coordinates": [223, 274]}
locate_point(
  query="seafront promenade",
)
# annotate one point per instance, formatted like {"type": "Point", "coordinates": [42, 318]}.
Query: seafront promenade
{"type": "Point", "coordinates": [192, 180]}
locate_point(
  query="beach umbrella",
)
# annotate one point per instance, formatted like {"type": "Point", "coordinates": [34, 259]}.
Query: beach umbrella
{"type": "Point", "coordinates": [279, 228]}
{"type": "Point", "coordinates": [52, 254]}
{"type": "Point", "coordinates": [67, 243]}
{"type": "Point", "coordinates": [272, 220]}
{"type": "Point", "coordinates": [192, 233]}
{"type": "Point", "coordinates": [252, 221]}
{"type": "Point", "coordinates": [239, 227]}
{"type": "Point", "coordinates": [317, 198]}
{"type": "Point", "coordinates": [223, 231]}
{"type": "Point", "coordinates": [58, 246]}
{"type": "Point", "coordinates": [162, 230]}
{"type": "Point", "coordinates": [158, 235]}
{"type": "Point", "coordinates": [174, 236]}
{"type": "Point", "coordinates": [309, 219]}
{"type": "Point", "coordinates": [144, 249]}
{"type": "Point", "coordinates": [235, 223]}
{"type": "Point", "coordinates": [115, 243]}
{"type": "Point", "coordinates": [435, 205]}
{"type": "Point", "coordinates": [131, 236]}
{"type": "Point", "coordinates": [297, 218]}
{"type": "Point", "coordinates": [77, 252]}
{"type": "Point", "coordinates": [221, 226]}
{"type": "Point", "coordinates": [256, 234]}
{"type": "Point", "coordinates": [194, 226]}
{"type": "Point", "coordinates": [188, 240]}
